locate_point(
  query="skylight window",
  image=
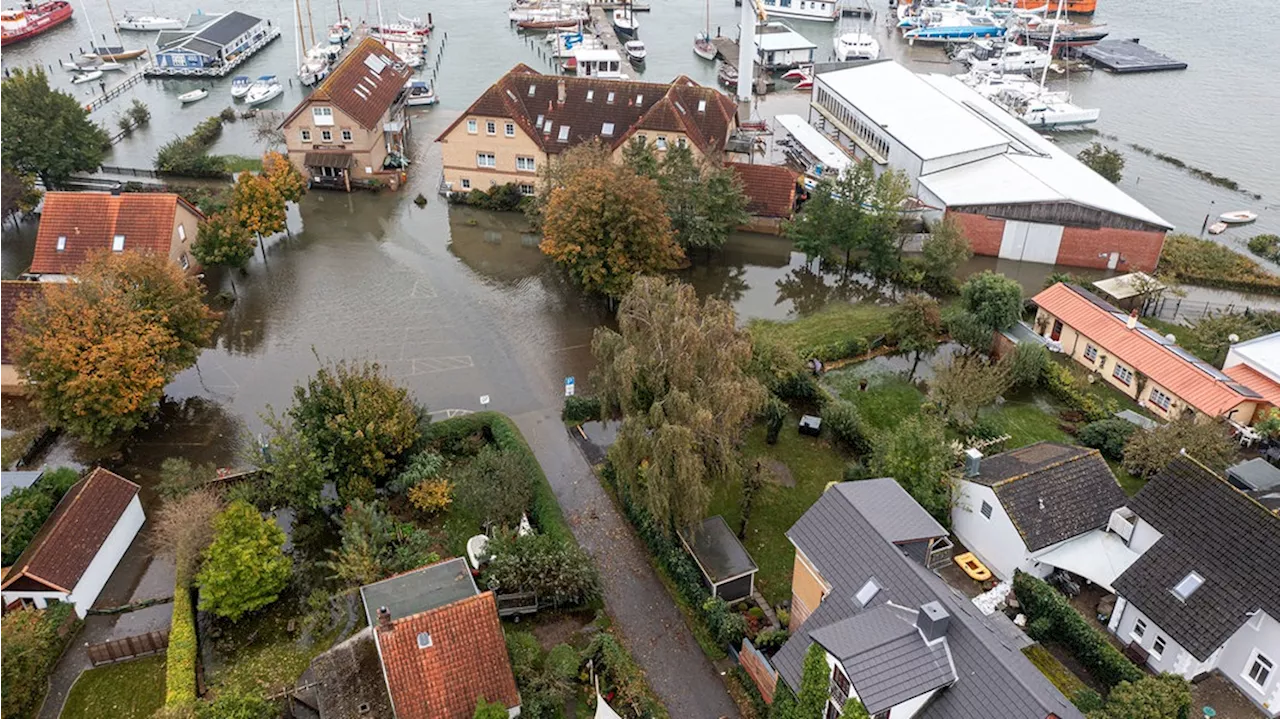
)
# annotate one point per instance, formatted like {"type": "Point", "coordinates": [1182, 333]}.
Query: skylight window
{"type": "Point", "coordinates": [867, 593]}
{"type": "Point", "coordinates": [702, 105]}
{"type": "Point", "coordinates": [609, 99]}
{"type": "Point", "coordinates": [117, 243]}
{"type": "Point", "coordinates": [591, 94]}
{"type": "Point", "coordinates": [424, 640]}
{"type": "Point", "coordinates": [1187, 586]}
{"type": "Point", "coordinates": [564, 133]}
{"type": "Point", "coordinates": [533, 90]}
{"type": "Point", "coordinates": [375, 63]}
{"type": "Point", "coordinates": [62, 242]}
{"type": "Point", "coordinates": [607, 129]}
{"type": "Point", "coordinates": [639, 99]}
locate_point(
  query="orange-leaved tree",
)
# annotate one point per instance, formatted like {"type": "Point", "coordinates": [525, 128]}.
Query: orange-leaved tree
{"type": "Point", "coordinates": [257, 205]}
{"type": "Point", "coordinates": [284, 176]}
{"type": "Point", "coordinates": [98, 352]}
{"type": "Point", "coordinates": [607, 225]}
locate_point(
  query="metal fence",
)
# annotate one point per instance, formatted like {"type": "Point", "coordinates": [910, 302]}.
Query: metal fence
{"type": "Point", "coordinates": [1173, 309]}
{"type": "Point", "coordinates": [118, 650]}
{"type": "Point", "coordinates": [131, 171]}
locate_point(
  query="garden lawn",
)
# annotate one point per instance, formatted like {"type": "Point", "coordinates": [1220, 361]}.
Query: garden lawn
{"type": "Point", "coordinates": [128, 690]}
{"type": "Point", "coordinates": [259, 653]}
{"type": "Point", "coordinates": [812, 464]}
{"type": "Point", "coordinates": [826, 327]}
{"type": "Point", "coordinates": [888, 400]}
{"type": "Point", "coordinates": [1026, 423]}
{"type": "Point", "coordinates": [1129, 483]}
{"type": "Point", "coordinates": [1053, 670]}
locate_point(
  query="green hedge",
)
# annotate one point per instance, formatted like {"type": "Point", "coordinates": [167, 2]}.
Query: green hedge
{"type": "Point", "coordinates": [497, 428]}
{"type": "Point", "coordinates": [581, 408]}
{"type": "Point", "coordinates": [1061, 383]}
{"type": "Point", "coordinates": [1058, 621]}
{"type": "Point", "coordinates": [180, 662]}
{"type": "Point", "coordinates": [33, 641]}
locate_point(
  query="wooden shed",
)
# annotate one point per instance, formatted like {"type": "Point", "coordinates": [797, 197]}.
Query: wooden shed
{"type": "Point", "coordinates": [726, 567]}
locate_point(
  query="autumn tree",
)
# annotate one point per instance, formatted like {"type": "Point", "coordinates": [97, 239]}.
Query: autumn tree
{"type": "Point", "coordinates": [18, 192]}
{"type": "Point", "coordinates": [257, 205]}
{"type": "Point", "coordinates": [606, 226]}
{"type": "Point", "coordinates": [944, 251]}
{"type": "Point", "coordinates": [222, 241]}
{"type": "Point", "coordinates": [678, 373]}
{"type": "Point", "coordinates": [857, 211]}
{"type": "Point", "coordinates": [183, 528]}
{"type": "Point", "coordinates": [245, 567]}
{"type": "Point", "coordinates": [1150, 450]}
{"type": "Point", "coordinates": [284, 176]}
{"type": "Point", "coordinates": [554, 175]}
{"type": "Point", "coordinates": [704, 202]}
{"type": "Point", "coordinates": [356, 422]}
{"type": "Point", "coordinates": [98, 352]}
{"type": "Point", "coordinates": [966, 384]}
{"type": "Point", "coordinates": [916, 324]}
{"type": "Point", "coordinates": [46, 133]}
{"type": "Point", "coordinates": [917, 454]}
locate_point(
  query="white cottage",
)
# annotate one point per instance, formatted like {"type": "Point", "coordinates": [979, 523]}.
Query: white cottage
{"type": "Point", "coordinates": [1204, 595]}
{"type": "Point", "coordinates": [79, 546]}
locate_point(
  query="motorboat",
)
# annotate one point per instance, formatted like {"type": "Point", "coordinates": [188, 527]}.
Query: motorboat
{"type": "Point", "coordinates": [31, 19]}
{"type": "Point", "coordinates": [340, 32]}
{"type": "Point", "coordinates": [89, 63]}
{"type": "Point", "coordinates": [265, 88]}
{"type": "Point", "coordinates": [984, 55]}
{"type": "Point", "coordinates": [149, 23]}
{"type": "Point", "coordinates": [625, 23]}
{"type": "Point", "coordinates": [556, 13]}
{"type": "Point", "coordinates": [604, 64]}
{"type": "Point", "coordinates": [312, 70]}
{"type": "Point", "coordinates": [418, 93]}
{"type": "Point", "coordinates": [942, 26]}
{"type": "Point", "coordinates": [913, 14]}
{"type": "Point", "coordinates": [410, 53]}
{"type": "Point", "coordinates": [1063, 33]}
{"type": "Point", "coordinates": [1238, 217]}
{"type": "Point", "coordinates": [856, 46]}
{"type": "Point", "coordinates": [86, 77]}
{"type": "Point", "coordinates": [193, 96]}
{"type": "Point", "coordinates": [703, 47]}
{"type": "Point", "coordinates": [240, 85]}
{"type": "Point", "coordinates": [798, 73]}
{"type": "Point", "coordinates": [636, 52]}
{"type": "Point", "coordinates": [727, 74]}
{"type": "Point", "coordinates": [804, 84]}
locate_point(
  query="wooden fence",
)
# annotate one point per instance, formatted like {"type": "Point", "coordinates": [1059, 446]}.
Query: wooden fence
{"type": "Point", "coordinates": [138, 645]}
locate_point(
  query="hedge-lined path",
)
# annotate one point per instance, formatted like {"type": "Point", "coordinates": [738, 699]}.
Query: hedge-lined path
{"type": "Point", "coordinates": [645, 614]}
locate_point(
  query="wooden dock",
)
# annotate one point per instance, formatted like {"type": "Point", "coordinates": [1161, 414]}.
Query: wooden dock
{"type": "Point", "coordinates": [114, 91]}
{"type": "Point", "coordinates": [602, 28]}
{"type": "Point", "coordinates": [1127, 56]}
{"type": "Point", "coordinates": [727, 52]}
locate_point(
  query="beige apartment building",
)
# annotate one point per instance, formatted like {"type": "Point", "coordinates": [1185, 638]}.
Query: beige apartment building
{"type": "Point", "coordinates": [352, 130]}
{"type": "Point", "coordinates": [526, 118]}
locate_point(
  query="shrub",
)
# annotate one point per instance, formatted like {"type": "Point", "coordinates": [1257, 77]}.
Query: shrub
{"type": "Point", "coordinates": [1103, 160]}
{"type": "Point", "coordinates": [621, 673]}
{"type": "Point", "coordinates": [422, 466]}
{"type": "Point", "coordinates": [784, 617]}
{"type": "Point", "coordinates": [189, 156]}
{"type": "Point", "coordinates": [1265, 246]}
{"type": "Point", "coordinates": [994, 299]}
{"type": "Point", "coordinates": [579, 409]}
{"type": "Point", "coordinates": [1087, 700]}
{"type": "Point", "coordinates": [180, 657]}
{"type": "Point", "coordinates": [1064, 625]}
{"type": "Point", "coordinates": [1108, 436]}
{"type": "Point", "coordinates": [1028, 363]}
{"type": "Point", "coordinates": [25, 510]}
{"type": "Point", "coordinates": [557, 570]}
{"type": "Point", "coordinates": [494, 487]}
{"type": "Point", "coordinates": [138, 112]}
{"type": "Point", "coordinates": [245, 568]}
{"type": "Point", "coordinates": [432, 495]}
{"type": "Point", "coordinates": [728, 627]}
{"type": "Point", "coordinates": [771, 640]}
{"type": "Point", "coordinates": [1149, 451]}
{"type": "Point", "coordinates": [856, 471]}
{"type": "Point", "coordinates": [228, 114]}
{"type": "Point", "coordinates": [500, 198]}
{"type": "Point", "coordinates": [970, 331]}
{"type": "Point", "coordinates": [1166, 696]}
{"type": "Point", "coordinates": [775, 416]}
{"type": "Point", "coordinates": [1205, 262]}
{"type": "Point", "coordinates": [846, 425]}
{"type": "Point", "coordinates": [33, 642]}
{"type": "Point", "coordinates": [1060, 382]}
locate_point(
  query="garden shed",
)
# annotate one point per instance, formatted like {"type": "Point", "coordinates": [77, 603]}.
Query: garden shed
{"type": "Point", "coordinates": [726, 566]}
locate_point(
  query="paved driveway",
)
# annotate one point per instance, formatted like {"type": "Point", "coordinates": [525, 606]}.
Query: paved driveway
{"type": "Point", "coordinates": [645, 614]}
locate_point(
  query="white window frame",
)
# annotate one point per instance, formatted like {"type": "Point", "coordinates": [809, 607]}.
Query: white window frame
{"type": "Point", "coordinates": [117, 243]}
{"type": "Point", "coordinates": [472, 127]}
{"type": "Point", "coordinates": [326, 136]}
{"type": "Point", "coordinates": [486, 159]}
{"type": "Point", "coordinates": [321, 116]}
{"type": "Point", "coordinates": [527, 190]}
{"type": "Point", "coordinates": [606, 129]}
{"type": "Point", "coordinates": [182, 259]}
{"type": "Point", "coordinates": [525, 164]}
{"type": "Point", "coordinates": [1121, 373]}
{"type": "Point", "coordinates": [510, 129]}
{"type": "Point", "coordinates": [1164, 644]}
{"type": "Point", "coordinates": [182, 232]}
{"type": "Point", "coordinates": [62, 243]}
{"type": "Point", "coordinates": [661, 143]}
{"type": "Point", "coordinates": [306, 135]}
{"type": "Point", "coordinates": [680, 142]}
{"type": "Point", "coordinates": [1255, 658]}
{"type": "Point", "coordinates": [1139, 630]}
{"type": "Point", "coordinates": [347, 136]}
{"type": "Point", "coordinates": [1163, 401]}
{"type": "Point", "coordinates": [564, 134]}
{"type": "Point", "coordinates": [490, 127]}
{"type": "Point", "coordinates": [1091, 353]}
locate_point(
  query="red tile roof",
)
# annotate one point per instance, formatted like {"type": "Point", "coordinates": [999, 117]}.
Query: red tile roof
{"type": "Point", "coordinates": [356, 89]}
{"type": "Point", "coordinates": [90, 220]}
{"type": "Point", "coordinates": [69, 540]}
{"type": "Point", "coordinates": [466, 660]}
{"type": "Point", "coordinates": [12, 294]}
{"type": "Point", "coordinates": [705, 114]}
{"type": "Point", "coordinates": [1256, 381]}
{"type": "Point", "coordinates": [771, 190]}
{"type": "Point", "coordinates": [1106, 325]}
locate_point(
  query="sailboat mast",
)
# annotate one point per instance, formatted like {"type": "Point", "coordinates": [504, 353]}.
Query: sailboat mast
{"type": "Point", "coordinates": [297, 10]}
{"type": "Point", "coordinates": [88, 22]}
{"type": "Point", "coordinates": [114, 27]}
{"type": "Point", "coordinates": [311, 23]}
{"type": "Point", "coordinates": [382, 27]}
{"type": "Point", "coordinates": [1053, 35]}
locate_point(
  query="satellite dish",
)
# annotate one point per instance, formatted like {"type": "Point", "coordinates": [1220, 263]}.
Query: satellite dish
{"type": "Point", "coordinates": [1170, 337]}
{"type": "Point", "coordinates": [1233, 337]}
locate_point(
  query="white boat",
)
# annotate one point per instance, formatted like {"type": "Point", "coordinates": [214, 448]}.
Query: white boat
{"type": "Point", "coordinates": [410, 53]}
{"type": "Point", "coordinates": [636, 52]}
{"type": "Point", "coordinates": [91, 65]}
{"type": "Point", "coordinates": [418, 93]}
{"type": "Point", "coordinates": [193, 96]}
{"type": "Point", "coordinates": [568, 44]}
{"type": "Point", "coordinates": [240, 85]}
{"type": "Point", "coordinates": [263, 89]}
{"type": "Point", "coordinates": [312, 71]}
{"type": "Point", "coordinates": [1238, 217]}
{"type": "Point", "coordinates": [625, 23]}
{"type": "Point", "coordinates": [86, 77]}
{"type": "Point", "coordinates": [988, 56]}
{"type": "Point", "coordinates": [816, 10]}
{"type": "Point", "coordinates": [703, 47]}
{"type": "Point", "coordinates": [149, 23]}
{"type": "Point", "coordinates": [856, 46]}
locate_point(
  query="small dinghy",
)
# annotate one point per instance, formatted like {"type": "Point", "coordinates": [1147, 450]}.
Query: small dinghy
{"type": "Point", "coordinates": [86, 77]}
{"type": "Point", "coordinates": [1238, 217]}
{"type": "Point", "coordinates": [798, 73]}
{"type": "Point", "coordinates": [1217, 228]}
{"type": "Point", "coordinates": [193, 96]}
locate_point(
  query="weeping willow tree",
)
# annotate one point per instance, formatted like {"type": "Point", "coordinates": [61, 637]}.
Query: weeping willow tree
{"type": "Point", "coordinates": [677, 374]}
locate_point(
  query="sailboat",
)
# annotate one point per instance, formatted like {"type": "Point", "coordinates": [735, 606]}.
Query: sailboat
{"type": "Point", "coordinates": [314, 67]}
{"type": "Point", "coordinates": [113, 53]}
{"type": "Point", "coordinates": [624, 21]}
{"type": "Point", "coordinates": [856, 45]}
{"type": "Point", "coordinates": [702, 45]}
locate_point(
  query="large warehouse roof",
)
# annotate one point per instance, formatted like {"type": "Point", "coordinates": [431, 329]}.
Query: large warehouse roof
{"type": "Point", "coordinates": [906, 107]}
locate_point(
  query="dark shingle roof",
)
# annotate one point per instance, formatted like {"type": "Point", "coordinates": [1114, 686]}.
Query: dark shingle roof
{"type": "Point", "coordinates": [1052, 491]}
{"type": "Point", "coordinates": [13, 294]}
{"type": "Point", "coordinates": [717, 550]}
{"type": "Point", "coordinates": [228, 27]}
{"type": "Point", "coordinates": [885, 657]}
{"type": "Point", "coordinates": [705, 114]}
{"type": "Point", "coordinates": [419, 590]}
{"type": "Point", "coordinates": [1219, 533]}
{"type": "Point", "coordinates": [890, 510]}
{"type": "Point", "coordinates": [357, 88]}
{"type": "Point", "coordinates": [350, 680]}
{"type": "Point", "coordinates": [994, 679]}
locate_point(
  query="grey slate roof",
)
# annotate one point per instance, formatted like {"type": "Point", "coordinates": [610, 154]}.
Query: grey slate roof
{"type": "Point", "coordinates": [10, 481]}
{"type": "Point", "coordinates": [885, 657]}
{"type": "Point", "coordinates": [1255, 474]}
{"type": "Point", "coordinates": [1211, 528]}
{"type": "Point", "coordinates": [228, 27]}
{"type": "Point", "coordinates": [350, 679]}
{"type": "Point", "coordinates": [1052, 491]}
{"type": "Point", "coordinates": [204, 47]}
{"type": "Point", "coordinates": [420, 590]}
{"type": "Point", "coordinates": [893, 513]}
{"type": "Point", "coordinates": [717, 550]}
{"type": "Point", "coordinates": [994, 679]}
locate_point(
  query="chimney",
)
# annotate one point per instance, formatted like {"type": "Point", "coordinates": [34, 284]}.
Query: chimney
{"type": "Point", "coordinates": [560, 92]}
{"type": "Point", "coordinates": [972, 462]}
{"type": "Point", "coordinates": [1133, 320]}
{"type": "Point", "coordinates": [932, 621]}
{"type": "Point", "coordinates": [115, 189]}
{"type": "Point", "coordinates": [384, 618]}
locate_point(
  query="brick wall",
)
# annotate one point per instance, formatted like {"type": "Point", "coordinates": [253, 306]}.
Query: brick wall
{"type": "Point", "coordinates": [984, 233]}
{"type": "Point", "coordinates": [1139, 249]}
{"type": "Point", "coordinates": [759, 669]}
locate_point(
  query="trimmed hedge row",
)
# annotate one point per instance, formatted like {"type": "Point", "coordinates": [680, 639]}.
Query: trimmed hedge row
{"type": "Point", "coordinates": [581, 408]}
{"type": "Point", "coordinates": [544, 510]}
{"type": "Point", "coordinates": [1052, 618]}
{"type": "Point", "coordinates": [1061, 383]}
{"type": "Point", "coordinates": [851, 346]}
{"type": "Point", "coordinates": [180, 660]}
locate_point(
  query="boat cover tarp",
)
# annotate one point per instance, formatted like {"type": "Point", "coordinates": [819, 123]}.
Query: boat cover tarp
{"type": "Point", "coordinates": [1096, 555]}
{"type": "Point", "coordinates": [603, 710]}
